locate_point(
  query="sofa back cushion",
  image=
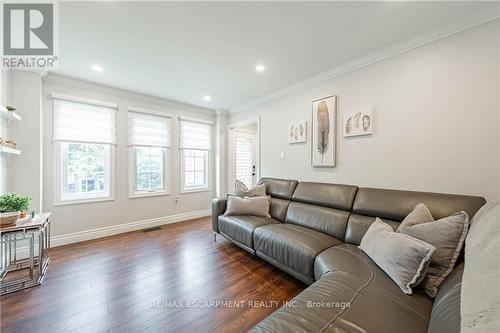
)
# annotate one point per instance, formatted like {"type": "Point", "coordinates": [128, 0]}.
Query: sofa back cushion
{"type": "Point", "coordinates": [327, 195]}
{"type": "Point", "coordinates": [392, 206]}
{"type": "Point", "coordinates": [279, 208]}
{"type": "Point", "coordinates": [281, 191]}
{"type": "Point", "coordinates": [322, 207]}
{"type": "Point", "coordinates": [330, 221]}
{"type": "Point", "coordinates": [445, 315]}
{"type": "Point", "coordinates": [279, 188]}
{"type": "Point", "coordinates": [396, 205]}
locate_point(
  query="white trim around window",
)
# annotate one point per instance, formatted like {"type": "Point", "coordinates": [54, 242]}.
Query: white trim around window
{"type": "Point", "coordinates": [133, 191]}
{"type": "Point", "coordinates": [57, 96]}
{"type": "Point", "coordinates": [61, 194]}
{"type": "Point", "coordinates": [205, 186]}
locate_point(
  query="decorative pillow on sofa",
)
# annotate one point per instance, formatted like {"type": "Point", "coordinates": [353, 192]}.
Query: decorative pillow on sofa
{"type": "Point", "coordinates": [241, 190]}
{"type": "Point", "coordinates": [447, 235]}
{"type": "Point", "coordinates": [404, 258]}
{"type": "Point", "coordinates": [257, 206]}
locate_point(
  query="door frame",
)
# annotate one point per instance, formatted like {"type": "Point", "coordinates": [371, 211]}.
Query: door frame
{"type": "Point", "coordinates": [231, 147]}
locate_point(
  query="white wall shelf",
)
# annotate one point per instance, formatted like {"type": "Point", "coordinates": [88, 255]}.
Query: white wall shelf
{"type": "Point", "coordinates": [8, 150]}
{"type": "Point", "coordinates": [9, 115]}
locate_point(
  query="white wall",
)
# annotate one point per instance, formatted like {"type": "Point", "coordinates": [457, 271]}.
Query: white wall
{"type": "Point", "coordinates": [78, 218]}
{"type": "Point", "coordinates": [437, 121]}
{"type": "Point", "coordinates": [25, 171]}
{"type": "Point", "coordinates": [4, 130]}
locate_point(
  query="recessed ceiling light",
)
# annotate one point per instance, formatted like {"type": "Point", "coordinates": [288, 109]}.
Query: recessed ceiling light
{"type": "Point", "coordinates": [97, 68]}
{"type": "Point", "coordinates": [260, 68]}
{"type": "Point", "coordinates": [207, 98]}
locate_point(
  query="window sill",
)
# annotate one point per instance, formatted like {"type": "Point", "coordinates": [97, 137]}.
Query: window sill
{"type": "Point", "coordinates": [82, 201]}
{"type": "Point", "coordinates": [147, 194]}
{"type": "Point", "coordinates": [196, 190]}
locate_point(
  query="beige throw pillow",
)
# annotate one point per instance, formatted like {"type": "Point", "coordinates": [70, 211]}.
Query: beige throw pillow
{"type": "Point", "coordinates": [241, 190]}
{"type": "Point", "coordinates": [257, 206]}
{"type": "Point", "coordinates": [447, 235]}
{"type": "Point", "coordinates": [404, 258]}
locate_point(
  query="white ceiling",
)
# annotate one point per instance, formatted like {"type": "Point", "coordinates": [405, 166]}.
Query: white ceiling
{"type": "Point", "coordinates": [183, 51]}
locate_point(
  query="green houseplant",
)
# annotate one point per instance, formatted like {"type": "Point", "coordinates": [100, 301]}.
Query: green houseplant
{"type": "Point", "coordinates": [13, 206]}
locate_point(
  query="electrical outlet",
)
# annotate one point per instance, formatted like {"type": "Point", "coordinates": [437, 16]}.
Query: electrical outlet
{"type": "Point", "coordinates": [176, 199]}
{"type": "Point", "coordinates": [282, 155]}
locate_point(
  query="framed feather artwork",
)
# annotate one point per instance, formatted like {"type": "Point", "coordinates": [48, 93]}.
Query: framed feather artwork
{"type": "Point", "coordinates": [297, 132]}
{"type": "Point", "coordinates": [324, 132]}
{"type": "Point", "coordinates": [358, 122]}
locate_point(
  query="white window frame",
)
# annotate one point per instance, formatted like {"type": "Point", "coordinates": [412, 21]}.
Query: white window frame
{"type": "Point", "coordinates": [196, 188]}
{"type": "Point", "coordinates": [167, 161]}
{"type": "Point", "coordinates": [132, 163]}
{"type": "Point", "coordinates": [60, 178]}
{"type": "Point", "coordinates": [60, 171]}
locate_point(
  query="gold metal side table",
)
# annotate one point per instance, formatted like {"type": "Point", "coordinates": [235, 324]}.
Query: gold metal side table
{"type": "Point", "coordinates": [24, 253]}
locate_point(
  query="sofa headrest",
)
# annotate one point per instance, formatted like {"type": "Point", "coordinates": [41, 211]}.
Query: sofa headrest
{"type": "Point", "coordinates": [328, 195]}
{"type": "Point", "coordinates": [279, 188]}
{"type": "Point", "coordinates": [395, 204]}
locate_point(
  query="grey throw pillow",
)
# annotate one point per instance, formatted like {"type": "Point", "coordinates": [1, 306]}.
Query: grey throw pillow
{"type": "Point", "coordinates": [447, 235]}
{"type": "Point", "coordinates": [241, 190]}
{"type": "Point", "coordinates": [257, 206]}
{"type": "Point", "coordinates": [404, 258]}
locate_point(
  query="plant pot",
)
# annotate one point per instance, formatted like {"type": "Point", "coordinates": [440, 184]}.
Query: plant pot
{"type": "Point", "coordinates": [22, 215]}
{"type": "Point", "coordinates": [9, 218]}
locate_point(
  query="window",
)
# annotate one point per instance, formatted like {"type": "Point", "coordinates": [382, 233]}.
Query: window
{"type": "Point", "coordinates": [244, 158]}
{"type": "Point", "coordinates": [195, 168]}
{"type": "Point", "coordinates": [195, 145]}
{"type": "Point", "coordinates": [149, 143]}
{"type": "Point", "coordinates": [84, 137]}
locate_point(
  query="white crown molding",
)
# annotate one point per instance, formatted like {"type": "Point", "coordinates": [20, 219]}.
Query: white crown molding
{"type": "Point", "coordinates": [486, 15]}
{"type": "Point", "coordinates": [126, 227]}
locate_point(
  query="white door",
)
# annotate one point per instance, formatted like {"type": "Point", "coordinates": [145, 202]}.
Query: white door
{"type": "Point", "coordinates": [243, 158]}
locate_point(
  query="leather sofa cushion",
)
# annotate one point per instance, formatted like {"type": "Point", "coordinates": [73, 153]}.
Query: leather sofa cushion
{"type": "Point", "coordinates": [326, 220]}
{"type": "Point", "coordinates": [376, 302]}
{"type": "Point", "coordinates": [328, 195]}
{"type": "Point", "coordinates": [279, 188]}
{"type": "Point", "coordinates": [279, 208]}
{"type": "Point", "coordinates": [445, 316]}
{"type": "Point", "coordinates": [396, 205]}
{"type": "Point", "coordinates": [376, 305]}
{"type": "Point", "coordinates": [241, 228]}
{"type": "Point", "coordinates": [293, 247]}
{"type": "Point", "coordinates": [358, 225]}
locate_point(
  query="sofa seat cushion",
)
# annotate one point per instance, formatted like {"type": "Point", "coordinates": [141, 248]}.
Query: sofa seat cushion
{"type": "Point", "coordinates": [241, 228]}
{"type": "Point", "coordinates": [292, 248]}
{"type": "Point", "coordinates": [354, 296]}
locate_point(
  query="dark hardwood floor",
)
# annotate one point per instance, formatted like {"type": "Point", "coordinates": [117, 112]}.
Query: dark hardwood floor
{"type": "Point", "coordinates": [129, 282]}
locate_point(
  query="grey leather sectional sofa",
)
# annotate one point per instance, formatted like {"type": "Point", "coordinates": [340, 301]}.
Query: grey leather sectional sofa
{"type": "Point", "coordinates": [313, 234]}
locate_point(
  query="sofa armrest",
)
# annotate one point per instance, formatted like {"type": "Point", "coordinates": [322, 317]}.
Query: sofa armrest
{"type": "Point", "coordinates": [218, 208]}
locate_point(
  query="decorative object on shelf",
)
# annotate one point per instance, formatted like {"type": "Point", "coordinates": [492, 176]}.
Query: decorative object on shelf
{"type": "Point", "coordinates": [297, 132]}
{"type": "Point", "coordinates": [12, 207]}
{"type": "Point", "coordinates": [8, 112]}
{"type": "Point", "coordinates": [9, 218]}
{"type": "Point", "coordinates": [358, 122]}
{"type": "Point", "coordinates": [324, 132]}
{"type": "Point", "coordinates": [7, 143]}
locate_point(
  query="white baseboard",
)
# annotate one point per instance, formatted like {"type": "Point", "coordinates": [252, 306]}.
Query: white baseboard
{"type": "Point", "coordinates": [22, 252]}
{"type": "Point", "coordinates": [126, 227]}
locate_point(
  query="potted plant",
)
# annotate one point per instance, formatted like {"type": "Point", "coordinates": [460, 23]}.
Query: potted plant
{"type": "Point", "coordinates": [12, 207]}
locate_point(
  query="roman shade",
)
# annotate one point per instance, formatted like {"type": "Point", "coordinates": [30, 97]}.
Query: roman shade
{"type": "Point", "coordinates": [195, 134]}
{"type": "Point", "coordinates": [81, 121]}
{"type": "Point", "coordinates": [149, 130]}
